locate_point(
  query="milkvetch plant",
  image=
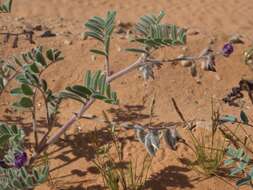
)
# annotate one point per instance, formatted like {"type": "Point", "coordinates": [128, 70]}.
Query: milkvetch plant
{"type": "Point", "coordinates": [20, 170]}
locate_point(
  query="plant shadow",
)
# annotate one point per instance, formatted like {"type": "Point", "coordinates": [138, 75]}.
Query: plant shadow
{"type": "Point", "coordinates": [171, 176]}
{"type": "Point", "coordinates": [129, 113]}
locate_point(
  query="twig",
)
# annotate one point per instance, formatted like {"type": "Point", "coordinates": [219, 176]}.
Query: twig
{"type": "Point", "coordinates": [143, 60]}
{"type": "Point", "coordinates": [178, 111]}
{"type": "Point", "coordinates": [107, 66]}
{"type": "Point", "coordinates": [44, 145]}
{"type": "Point", "coordinates": [34, 121]}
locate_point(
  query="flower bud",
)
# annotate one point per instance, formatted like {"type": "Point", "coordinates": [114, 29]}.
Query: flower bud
{"type": "Point", "coordinates": [227, 49]}
{"type": "Point", "coordinates": [20, 159]}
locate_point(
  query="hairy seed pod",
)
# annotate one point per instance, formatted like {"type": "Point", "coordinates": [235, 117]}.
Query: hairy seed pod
{"type": "Point", "coordinates": [140, 133]}
{"type": "Point", "coordinates": [136, 126]}
{"type": "Point", "coordinates": [170, 136]}
{"type": "Point", "coordinates": [155, 141]}
{"type": "Point", "coordinates": [148, 145]}
{"type": "Point", "coordinates": [147, 71]}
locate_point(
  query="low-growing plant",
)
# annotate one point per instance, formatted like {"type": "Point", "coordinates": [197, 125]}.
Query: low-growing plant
{"type": "Point", "coordinates": [27, 70]}
{"type": "Point", "coordinates": [209, 148]}
{"type": "Point", "coordinates": [14, 173]}
{"type": "Point", "coordinates": [118, 173]}
{"type": "Point", "coordinates": [239, 151]}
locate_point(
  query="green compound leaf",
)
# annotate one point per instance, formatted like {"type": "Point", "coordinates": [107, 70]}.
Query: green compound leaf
{"type": "Point", "coordinates": [228, 118]}
{"type": "Point", "coordinates": [135, 50]}
{"type": "Point", "coordinates": [99, 52]}
{"type": "Point", "coordinates": [101, 29]}
{"type": "Point", "coordinates": [6, 6]}
{"type": "Point", "coordinates": [17, 92]}
{"type": "Point", "coordinates": [39, 57]}
{"type": "Point", "coordinates": [24, 103]}
{"type": "Point", "coordinates": [156, 35]}
{"type": "Point", "coordinates": [228, 162]}
{"type": "Point", "coordinates": [95, 86]}
{"type": "Point", "coordinates": [54, 55]}
{"type": "Point", "coordinates": [82, 90]}
{"type": "Point", "coordinates": [243, 181]}
{"type": "Point", "coordinates": [27, 90]}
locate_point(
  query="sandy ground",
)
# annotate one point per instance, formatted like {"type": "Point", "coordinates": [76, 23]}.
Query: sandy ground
{"type": "Point", "coordinates": [213, 19]}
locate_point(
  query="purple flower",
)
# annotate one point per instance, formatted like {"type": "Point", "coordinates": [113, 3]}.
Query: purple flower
{"type": "Point", "coordinates": [227, 49]}
{"type": "Point", "coordinates": [20, 159]}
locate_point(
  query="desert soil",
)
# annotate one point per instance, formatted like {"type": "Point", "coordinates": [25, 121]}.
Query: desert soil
{"type": "Point", "coordinates": [70, 159]}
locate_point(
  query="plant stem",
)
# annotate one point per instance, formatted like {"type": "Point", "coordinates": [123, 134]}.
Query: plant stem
{"type": "Point", "coordinates": [34, 122]}
{"type": "Point", "coordinates": [75, 117]}
{"type": "Point", "coordinates": [238, 139]}
{"type": "Point", "coordinates": [131, 67]}
{"type": "Point", "coordinates": [139, 62]}
{"type": "Point", "coordinates": [107, 66]}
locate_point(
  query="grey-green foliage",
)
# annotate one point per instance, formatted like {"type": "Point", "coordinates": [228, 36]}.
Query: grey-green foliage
{"type": "Point", "coordinates": [130, 177]}
{"type": "Point", "coordinates": [6, 6]}
{"type": "Point", "coordinates": [239, 161]}
{"type": "Point", "coordinates": [151, 138]}
{"type": "Point", "coordinates": [101, 30]}
{"type": "Point", "coordinates": [95, 86]}
{"type": "Point", "coordinates": [11, 178]}
{"type": "Point", "coordinates": [29, 67]}
{"type": "Point", "coordinates": [152, 34]}
{"type": "Point", "coordinates": [32, 61]}
{"type": "Point", "coordinates": [233, 119]}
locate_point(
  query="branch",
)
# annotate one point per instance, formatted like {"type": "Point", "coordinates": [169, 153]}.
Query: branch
{"type": "Point", "coordinates": [107, 66]}
{"type": "Point", "coordinates": [143, 60]}
{"type": "Point", "coordinates": [44, 145]}
{"type": "Point", "coordinates": [34, 121]}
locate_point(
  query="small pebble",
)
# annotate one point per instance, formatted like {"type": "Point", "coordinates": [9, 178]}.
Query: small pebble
{"type": "Point", "coordinates": [218, 78]}
{"type": "Point", "coordinates": [184, 48]}
{"type": "Point", "coordinates": [119, 49]}
{"type": "Point", "coordinates": [249, 62]}
{"type": "Point", "coordinates": [83, 36]}
{"type": "Point", "coordinates": [67, 42]}
{"type": "Point", "coordinates": [19, 18]}
{"type": "Point", "coordinates": [212, 41]}
{"type": "Point", "coordinates": [93, 58]}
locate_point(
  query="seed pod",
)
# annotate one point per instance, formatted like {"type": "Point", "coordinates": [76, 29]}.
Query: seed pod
{"type": "Point", "coordinates": [171, 136]}
{"type": "Point", "coordinates": [155, 139]}
{"type": "Point", "coordinates": [140, 133]}
{"type": "Point", "coordinates": [148, 145]}
{"type": "Point", "coordinates": [147, 71]}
